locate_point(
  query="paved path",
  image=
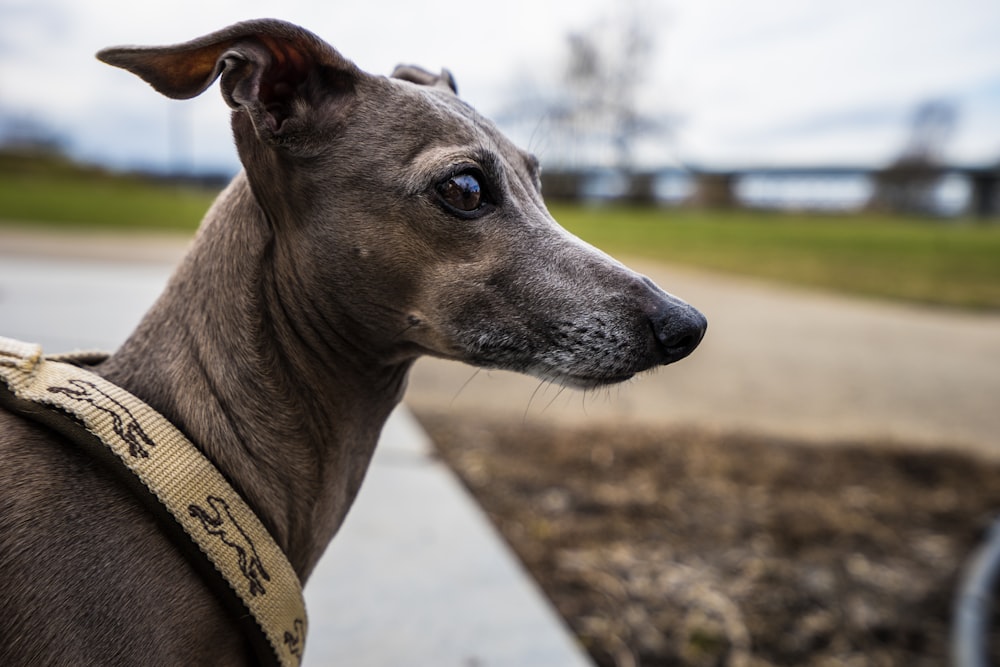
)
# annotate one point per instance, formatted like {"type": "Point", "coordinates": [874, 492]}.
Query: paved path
{"type": "Point", "coordinates": [417, 576]}
{"type": "Point", "coordinates": [779, 361]}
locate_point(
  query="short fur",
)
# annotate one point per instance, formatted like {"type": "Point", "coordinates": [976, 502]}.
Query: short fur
{"type": "Point", "coordinates": [283, 340]}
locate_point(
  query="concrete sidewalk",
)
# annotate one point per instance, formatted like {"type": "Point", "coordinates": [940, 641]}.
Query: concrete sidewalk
{"type": "Point", "coordinates": [417, 576]}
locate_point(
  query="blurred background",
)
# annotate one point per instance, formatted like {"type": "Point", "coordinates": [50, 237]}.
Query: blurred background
{"type": "Point", "coordinates": [772, 103]}
{"type": "Point", "coordinates": [821, 179]}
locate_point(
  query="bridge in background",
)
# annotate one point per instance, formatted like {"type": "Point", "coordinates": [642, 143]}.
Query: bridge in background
{"type": "Point", "coordinates": [946, 190]}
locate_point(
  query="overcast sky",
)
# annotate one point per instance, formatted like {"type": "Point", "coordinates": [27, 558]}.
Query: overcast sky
{"type": "Point", "coordinates": [748, 82]}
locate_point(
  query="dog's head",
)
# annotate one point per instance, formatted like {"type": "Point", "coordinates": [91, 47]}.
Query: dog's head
{"type": "Point", "coordinates": [396, 205]}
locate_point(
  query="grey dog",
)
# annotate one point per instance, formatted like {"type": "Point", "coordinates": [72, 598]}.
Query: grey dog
{"type": "Point", "coordinates": [376, 220]}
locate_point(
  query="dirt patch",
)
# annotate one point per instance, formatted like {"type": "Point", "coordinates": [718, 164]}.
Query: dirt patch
{"type": "Point", "coordinates": [664, 547]}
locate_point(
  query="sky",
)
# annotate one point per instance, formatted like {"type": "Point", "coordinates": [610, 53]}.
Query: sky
{"type": "Point", "coordinates": [743, 82]}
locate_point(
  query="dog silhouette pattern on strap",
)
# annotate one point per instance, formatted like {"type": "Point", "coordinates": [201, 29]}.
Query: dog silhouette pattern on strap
{"type": "Point", "coordinates": [219, 521]}
{"type": "Point", "coordinates": [294, 640]}
{"type": "Point", "coordinates": [123, 422]}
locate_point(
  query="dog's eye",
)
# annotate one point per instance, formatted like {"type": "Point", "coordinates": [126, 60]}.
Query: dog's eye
{"type": "Point", "coordinates": [462, 192]}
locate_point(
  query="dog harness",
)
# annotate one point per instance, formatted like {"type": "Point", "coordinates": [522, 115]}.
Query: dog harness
{"type": "Point", "coordinates": [175, 480]}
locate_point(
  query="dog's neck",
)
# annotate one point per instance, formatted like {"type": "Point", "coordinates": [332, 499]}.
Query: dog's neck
{"type": "Point", "coordinates": [278, 397]}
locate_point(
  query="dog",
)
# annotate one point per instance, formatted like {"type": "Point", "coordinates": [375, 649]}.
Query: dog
{"type": "Point", "coordinates": [376, 219]}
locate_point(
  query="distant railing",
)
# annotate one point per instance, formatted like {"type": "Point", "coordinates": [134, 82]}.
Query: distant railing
{"type": "Point", "coordinates": [941, 191]}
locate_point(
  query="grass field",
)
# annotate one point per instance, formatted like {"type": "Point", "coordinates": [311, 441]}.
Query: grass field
{"type": "Point", "coordinates": [947, 263]}
{"type": "Point", "coordinates": [954, 264]}
{"type": "Point", "coordinates": [59, 193]}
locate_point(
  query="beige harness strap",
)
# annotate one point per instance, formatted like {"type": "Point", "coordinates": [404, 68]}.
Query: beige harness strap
{"type": "Point", "coordinates": [173, 470]}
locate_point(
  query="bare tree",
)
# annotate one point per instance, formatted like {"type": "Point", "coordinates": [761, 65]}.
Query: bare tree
{"type": "Point", "coordinates": [907, 185]}
{"type": "Point", "coordinates": [606, 68]}
{"type": "Point", "coordinates": [592, 112]}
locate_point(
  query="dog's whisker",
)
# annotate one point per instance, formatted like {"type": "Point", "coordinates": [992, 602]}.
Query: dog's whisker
{"type": "Point", "coordinates": [531, 399]}
{"type": "Point", "coordinates": [403, 331]}
{"type": "Point", "coordinates": [558, 394]}
{"type": "Point", "coordinates": [465, 384]}
{"type": "Point", "coordinates": [543, 119]}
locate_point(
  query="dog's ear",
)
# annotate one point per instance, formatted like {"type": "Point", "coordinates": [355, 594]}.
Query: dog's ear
{"type": "Point", "coordinates": [418, 75]}
{"type": "Point", "coordinates": [267, 68]}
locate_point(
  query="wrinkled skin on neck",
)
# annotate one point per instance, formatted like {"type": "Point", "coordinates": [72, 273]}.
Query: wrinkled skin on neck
{"type": "Point", "coordinates": [238, 355]}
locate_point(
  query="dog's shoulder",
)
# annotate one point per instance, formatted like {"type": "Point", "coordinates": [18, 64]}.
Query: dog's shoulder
{"type": "Point", "coordinates": [75, 545]}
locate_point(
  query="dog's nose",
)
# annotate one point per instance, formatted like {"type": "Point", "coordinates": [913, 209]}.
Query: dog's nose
{"type": "Point", "coordinates": [679, 329]}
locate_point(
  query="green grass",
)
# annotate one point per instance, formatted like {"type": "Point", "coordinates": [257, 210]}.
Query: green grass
{"type": "Point", "coordinates": [946, 263]}
{"type": "Point", "coordinates": [937, 262]}
{"type": "Point", "coordinates": [55, 192]}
